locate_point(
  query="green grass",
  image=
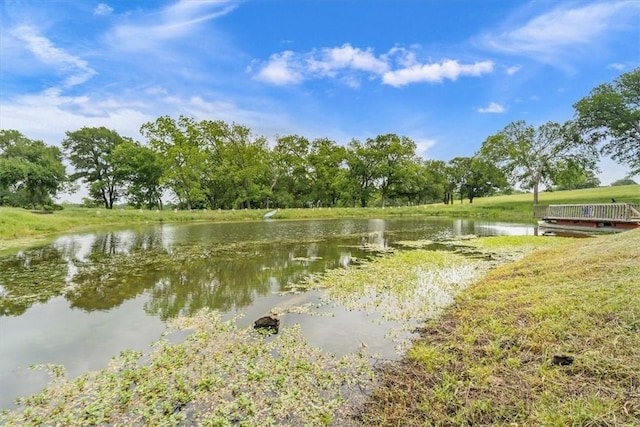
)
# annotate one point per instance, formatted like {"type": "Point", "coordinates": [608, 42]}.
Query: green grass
{"type": "Point", "coordinates": [20, 226]}
{"type": "Point", "coordinates": [489, 358]}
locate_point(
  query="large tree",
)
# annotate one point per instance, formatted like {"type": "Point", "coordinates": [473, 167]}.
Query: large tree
{"type": "Point", "coordinates": [570, 176]}
{"type": "Point", "coordinates": [362, 175]}
{"type": "Point", "coordinates": [476, 177]}
{"type": "Point", "coordinates": [392, 154]}
{"type": "Point", "coordinates": [327, 171]}
{"type": "Point", "coordinates": [90, 150]}
{"type": "Point", "coordinates": [245, 162]}
{"type": "Point", "coordinates": [291, 156]}
{"type": "Point", "coordinates": [611, 115]}
{"type": "Point", "coordinates": [235, 166]}
{"type": "Point", "coordinates": [140, 168]}
{"type": "Point", "coordinates": [181, 145]}
{"type": "Point", "coordinates": [529, 156]}
{"type": "Point", "coordinates": [30, 171]}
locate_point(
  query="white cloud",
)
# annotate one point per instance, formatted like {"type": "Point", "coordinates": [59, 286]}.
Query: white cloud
{"type": "Point", "coordinates": [562, 29]}
{"type": "Point", "coordinates": [435, 72]}
{"type": "Point", "coordinates": [102, 9]}
{"type": "Point", "coordinates": [48, 116]}
{"type": "Point", "coordinates": [402, 56]}
{"type": "Point", "coordinates": [512, 70]}
{"type": "Point", "coordinates": [423, 146]}
{"type": "Point", "coordinates": [617, 66]}
{"type": "Point", "coordinates": [493, 107]}
{"type": "Point", "coordinates": [347, 57]}
{"type": "Point", "coordinates": [279, 70]}
{"type": "Point", "coordinates": [77, 70]}
{"type": "Point", "coordinates": [175, 21]}
{"type": "Point", "coordinates": [156, 90]}
{"type": "Point", "coordinates": [348, 64]}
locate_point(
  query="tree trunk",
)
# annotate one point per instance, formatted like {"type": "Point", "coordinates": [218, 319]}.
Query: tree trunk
{"type": "Point", "coordinates": [105, 199]}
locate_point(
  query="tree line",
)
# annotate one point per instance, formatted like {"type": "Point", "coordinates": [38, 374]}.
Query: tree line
{"type": "Point", "coordinates": [216, 165]}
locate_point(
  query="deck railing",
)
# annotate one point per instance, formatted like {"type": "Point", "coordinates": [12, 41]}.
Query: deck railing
{"type": "Point", "coordinates": [604, 212]}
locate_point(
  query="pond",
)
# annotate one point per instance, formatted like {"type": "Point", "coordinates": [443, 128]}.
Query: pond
{"type": "Point", "coordinates": [83, 298]}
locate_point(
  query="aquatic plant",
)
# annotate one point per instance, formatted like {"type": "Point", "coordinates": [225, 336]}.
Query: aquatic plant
{"type": "Point", "coordinates": [219, 375]}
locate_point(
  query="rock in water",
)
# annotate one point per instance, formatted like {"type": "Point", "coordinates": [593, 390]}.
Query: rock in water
{"type": "Point", "coordinates": [270, 324]}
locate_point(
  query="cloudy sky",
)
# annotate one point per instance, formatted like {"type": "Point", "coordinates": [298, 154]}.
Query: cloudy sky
{"type": "Point", "coordinates": [445, 73]}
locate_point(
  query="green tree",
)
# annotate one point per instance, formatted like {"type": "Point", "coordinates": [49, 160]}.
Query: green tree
{"type": "Point", "coordinates": [141, 169]}
{"type": "Point", "coordinates": [623, 181]}
{"type": "Point", "coordinates": [236, 166]}
{"type": "Point", "coordinates": [410, 182]}
{"type": "Point", "coordinates": [611, 115]}
{"type": "Point", "coordinates": [451, 182]}
{"type": "Point", "coordinates": [217, 180]}
{"type": "Point", "coordinates": [327, 170]}
{"type": "Point", "coordinates": [246, 165]}
{"type": "Point", "coordinates": [392, 154]}
{"type": "Point", "coordinates": [181, 145]}
{"type": "Point", "coordinates": [435, 183]}
{"type": "Point", "coordinates": [362, 164]}
{"type": "Point", "coordinates": [529, 156]}
{"type": "Point", "coordinates": [90, 150]}
{"type": "Point", "coordinates": [30, 171]}
{"type": "Point", "coordinates": [291, 154]}
{"type": "Point", "coordinates": [476, 177]}
{"type": "Point", "coordinates": [570, 176]}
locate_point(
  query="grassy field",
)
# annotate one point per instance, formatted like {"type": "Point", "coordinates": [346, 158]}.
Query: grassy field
{"type": "Point", "coordinates": [20, 226]}
{"type": "Point", "coordinates": [553, 339]}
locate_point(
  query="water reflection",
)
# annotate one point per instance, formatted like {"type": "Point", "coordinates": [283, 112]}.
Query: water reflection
{"type": "Point", "coordinates": [184, 268]}
{"type": "Point", "coordinates": [64, 302]}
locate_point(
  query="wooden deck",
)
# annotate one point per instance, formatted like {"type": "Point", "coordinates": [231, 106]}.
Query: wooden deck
{"type": "Point", "coordinates": [604, 212]}
{"type": "Point", "coordinates": [600, 216]}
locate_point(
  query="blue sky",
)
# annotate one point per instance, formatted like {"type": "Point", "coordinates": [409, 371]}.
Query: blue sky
{"type": "Point", "coordinates": [445, 73]}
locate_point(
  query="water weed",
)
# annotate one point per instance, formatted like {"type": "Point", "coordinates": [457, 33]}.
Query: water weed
{"type": "Point", "coordinates": [220, 375]}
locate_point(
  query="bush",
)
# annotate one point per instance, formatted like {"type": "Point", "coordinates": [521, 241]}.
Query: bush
{"type": "Point", "coordinates": [623, 181]}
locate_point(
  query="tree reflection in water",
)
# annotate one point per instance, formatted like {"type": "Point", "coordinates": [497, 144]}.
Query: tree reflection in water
{"type": "Point", "coordinates": [101, 271]}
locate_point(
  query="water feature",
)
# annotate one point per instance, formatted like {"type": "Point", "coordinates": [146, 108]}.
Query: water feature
{"type": "Point", "coordinates": [83, 298]}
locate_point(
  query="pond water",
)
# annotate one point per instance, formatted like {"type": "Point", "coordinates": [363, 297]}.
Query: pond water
{"type": "Point", "coordinates": [83, 298]}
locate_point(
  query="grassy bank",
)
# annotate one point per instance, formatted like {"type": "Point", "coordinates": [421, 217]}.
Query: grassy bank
{"type": "Point", "coordinates": [496, 356]}
{"type": "Point", "coordinates": [19, 226]}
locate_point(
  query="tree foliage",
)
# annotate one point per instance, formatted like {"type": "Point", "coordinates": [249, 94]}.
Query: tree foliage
{"type": "Point", "coordinates": [611, 115]}
{"type": "Point", "coordinates": [570, 176]}
{"type": "Point", "coordinates": [140, 169]}
{"type": "Point", "coordinates": [530, 156]}
{"type": "Point", "coordinates": [90, 152]}
{"type": "Point", "coordinates": [181, 145]}
{"type": "Point", "coordinates": [327, 171]}
{"type": "Point", "coordinates": [623, 181]}
{"type": "Point", "coordinates": [31, 173]}
{"type": "Point", "coordinates": [476, 177]}
{"type": "Point", "coordinates": [391, 154]}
